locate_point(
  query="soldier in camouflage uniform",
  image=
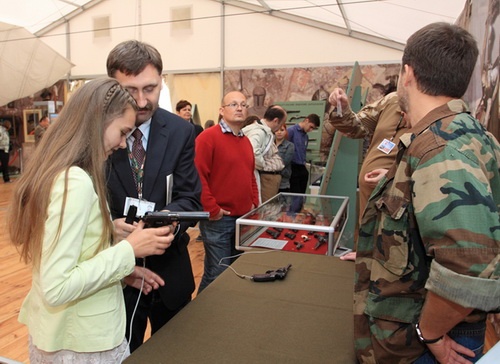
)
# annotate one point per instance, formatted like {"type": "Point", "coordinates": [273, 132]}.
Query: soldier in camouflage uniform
{"type": "Point", "coordinates": [428, 250]}
{"type": "Point", "coordinates": [381, 120]}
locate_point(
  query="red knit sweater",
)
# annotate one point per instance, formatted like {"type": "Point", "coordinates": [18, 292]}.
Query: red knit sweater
{"type": "Point", "coordinates": [226, 164]}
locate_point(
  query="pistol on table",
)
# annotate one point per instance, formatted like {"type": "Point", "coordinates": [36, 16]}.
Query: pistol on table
{"type": "Point", "coordinates": [272, 275]}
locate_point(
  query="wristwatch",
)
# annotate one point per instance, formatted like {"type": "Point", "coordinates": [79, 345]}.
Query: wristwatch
{"type": "Point", "coordinates": [421, 337]}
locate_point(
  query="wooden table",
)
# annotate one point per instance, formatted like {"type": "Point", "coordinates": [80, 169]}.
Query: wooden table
{"type": "Point", "coordinates": [305, 318]}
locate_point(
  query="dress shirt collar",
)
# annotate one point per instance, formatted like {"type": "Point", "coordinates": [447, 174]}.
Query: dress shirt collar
{"type": "Point", "coordinates": [226, 129]}
{"type": "Point", "coordinates": [144, 128]}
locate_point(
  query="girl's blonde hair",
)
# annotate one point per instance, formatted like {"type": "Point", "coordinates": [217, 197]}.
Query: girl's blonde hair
{"type": "Point", "coordinates": [75, 139]}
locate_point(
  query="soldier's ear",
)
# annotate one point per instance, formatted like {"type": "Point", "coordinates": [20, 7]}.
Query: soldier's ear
{"type": "Point", "coordinates": [407, 75]}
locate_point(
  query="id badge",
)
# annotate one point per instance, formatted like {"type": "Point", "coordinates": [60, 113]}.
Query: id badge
{"type": "Point", "coordinates": [386, 146]}
{"type": "Point", "coordinates": [143, 206]}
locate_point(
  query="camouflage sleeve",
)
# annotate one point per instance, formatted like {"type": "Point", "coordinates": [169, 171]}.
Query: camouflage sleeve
{"type": "Point", "coordinates": [480, 293]}
{"type": "Point", "coordinates": [363, 123]}
{"type": "Point", "coordinates": [455, 196]}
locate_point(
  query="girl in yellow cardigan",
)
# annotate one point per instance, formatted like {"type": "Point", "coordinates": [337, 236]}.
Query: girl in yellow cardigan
{"type": "Point", "coordinates": [60, 222]}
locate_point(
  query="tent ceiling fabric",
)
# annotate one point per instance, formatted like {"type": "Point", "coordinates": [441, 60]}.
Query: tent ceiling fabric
{"type": "Point", "coordinates": [384, 22]}
{"type": "Point", "coordinates": [35, 15]}
{"type": "Point", "coordinates": [27, 65]}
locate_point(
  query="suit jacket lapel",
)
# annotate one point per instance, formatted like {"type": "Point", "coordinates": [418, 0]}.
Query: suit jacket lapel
{"type": "Point", "coordinates": [156, 150]}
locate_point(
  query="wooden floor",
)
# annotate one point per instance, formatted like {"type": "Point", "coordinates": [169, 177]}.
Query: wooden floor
{"type": "Point", "coordinates": [15, 282]}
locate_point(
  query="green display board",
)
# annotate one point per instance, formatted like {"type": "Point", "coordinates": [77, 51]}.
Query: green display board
{"type": "Point", "coordinates": [298, 111]}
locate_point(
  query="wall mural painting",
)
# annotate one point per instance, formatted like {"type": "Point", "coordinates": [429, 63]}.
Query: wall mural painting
{"type": "Point", "coordinates": [482, 20]}
{"type": "Point", "coordinates": [264, 87]}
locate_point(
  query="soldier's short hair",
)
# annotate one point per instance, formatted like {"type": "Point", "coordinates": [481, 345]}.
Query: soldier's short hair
{"type": "Point", "coordinates": [443, 57]}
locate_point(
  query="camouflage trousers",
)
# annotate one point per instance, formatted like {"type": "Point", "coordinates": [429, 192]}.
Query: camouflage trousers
{"type": "Point", "coordinates": [380, 341]}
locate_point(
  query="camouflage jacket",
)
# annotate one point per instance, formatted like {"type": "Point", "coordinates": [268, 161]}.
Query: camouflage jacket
{"type": "Point", "coordinates": [431, 224]}
{"type": "Point", "coordinates": [365, 122]}
{"type": "Point", "coordinates": [381, 120]}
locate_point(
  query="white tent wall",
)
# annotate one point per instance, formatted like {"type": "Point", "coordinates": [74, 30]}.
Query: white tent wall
{"type": "Point", "coordinates": [250, 40]}
{"type": "Point", "coordinates": [259, 40]}
{"type": "Point", "coordinates": [219, 38]}
{"type": "Point", "coordinates": [201, 89]}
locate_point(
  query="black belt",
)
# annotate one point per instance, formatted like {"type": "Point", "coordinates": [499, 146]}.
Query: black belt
{"type": "Point", "coordinates": [270, 172]}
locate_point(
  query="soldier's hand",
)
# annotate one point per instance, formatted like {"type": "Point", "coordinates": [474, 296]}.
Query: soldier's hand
{"type": "Point", "coordinates": [373, 178]}
{"type": "Point", "coordinates": [338, 95]}
{"type": "Point", "coordinates": [351, 256]}
{"type": "Point", "coordinates": [446, 351]}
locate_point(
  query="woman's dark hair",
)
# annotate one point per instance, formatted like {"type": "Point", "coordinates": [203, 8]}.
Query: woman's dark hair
{"type": "Point", "coordinates": [182, 104]}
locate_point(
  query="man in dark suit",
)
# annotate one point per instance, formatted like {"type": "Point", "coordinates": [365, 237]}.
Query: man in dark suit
{"type": "Point", "coordinates": [167, 143]}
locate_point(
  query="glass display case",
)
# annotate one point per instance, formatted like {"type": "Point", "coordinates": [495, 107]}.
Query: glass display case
{"type": "Point", "coordinates": [295, 222]}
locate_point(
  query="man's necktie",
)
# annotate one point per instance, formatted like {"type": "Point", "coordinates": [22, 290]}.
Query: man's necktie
{"type": "Point", "coordinates": [138, 151]}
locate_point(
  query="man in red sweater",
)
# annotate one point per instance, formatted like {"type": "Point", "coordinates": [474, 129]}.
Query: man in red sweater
{"type": "Point", "coordinates": [225, 162]}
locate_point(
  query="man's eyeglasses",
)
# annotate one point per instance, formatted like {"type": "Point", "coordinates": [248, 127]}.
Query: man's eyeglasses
{"type": "Point", "coordinates": [234, 105]}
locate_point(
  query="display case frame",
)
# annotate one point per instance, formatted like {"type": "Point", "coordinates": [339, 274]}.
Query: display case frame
{"type": "Point", "coordinates": [31, 118]}
{"type": "Point", "coordinates": [295, 222]}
